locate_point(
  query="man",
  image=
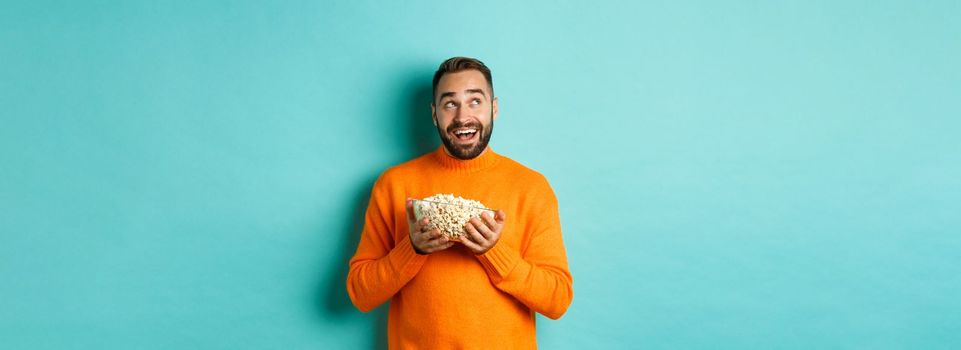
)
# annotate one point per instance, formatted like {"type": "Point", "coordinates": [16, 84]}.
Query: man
{"type": "Point", "coordinates": [479, 290]}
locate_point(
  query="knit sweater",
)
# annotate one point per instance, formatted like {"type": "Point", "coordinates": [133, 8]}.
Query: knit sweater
{"type": "Point", "coordinates": [453, 299]}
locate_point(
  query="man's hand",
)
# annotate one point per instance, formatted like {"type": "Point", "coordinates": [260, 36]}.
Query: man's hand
{"type": "Point", "coordinates": [425, 242]}
{"type": "Point", "coordinates": [483, 234]}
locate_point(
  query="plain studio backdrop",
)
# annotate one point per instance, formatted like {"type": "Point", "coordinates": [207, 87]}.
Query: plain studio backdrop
{"type": "Point", "coordinates": [739, 175]}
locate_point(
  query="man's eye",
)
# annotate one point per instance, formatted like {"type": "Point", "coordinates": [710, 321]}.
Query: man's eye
{"type": "Point", "coordinates": [449, 105]}
{"type": "Point", "coordinates": [475, 102]}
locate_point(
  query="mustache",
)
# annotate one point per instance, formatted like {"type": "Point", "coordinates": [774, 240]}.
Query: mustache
{"type": "Point", "coordinates": [470, 124]}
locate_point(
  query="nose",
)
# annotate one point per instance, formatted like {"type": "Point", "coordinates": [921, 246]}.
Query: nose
{"type": "Point", "coordinates": [462, 114]}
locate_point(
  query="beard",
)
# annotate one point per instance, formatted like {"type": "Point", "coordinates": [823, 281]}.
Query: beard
{"type": "Point", "coordinates": [467, 152]}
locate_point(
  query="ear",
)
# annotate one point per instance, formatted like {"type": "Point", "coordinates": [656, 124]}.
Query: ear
{"type": "Point", "coordinates": [494, 106]}
{"type": "Point", "coordinates": [433, 113]}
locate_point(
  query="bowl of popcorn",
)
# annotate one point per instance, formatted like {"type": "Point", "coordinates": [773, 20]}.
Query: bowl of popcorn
{"type": "Point", "coordinates": [448, 213]}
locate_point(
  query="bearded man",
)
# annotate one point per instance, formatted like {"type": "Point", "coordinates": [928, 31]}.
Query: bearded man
{"type": "Point", "coordinates": [480, 289]}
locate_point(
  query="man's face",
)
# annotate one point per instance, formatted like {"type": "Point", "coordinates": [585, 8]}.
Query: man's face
{"type": "Point", "coordinates": [464, 113]}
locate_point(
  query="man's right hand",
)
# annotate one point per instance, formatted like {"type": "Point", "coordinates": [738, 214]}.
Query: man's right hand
{"type": "Point", "coordinates": [424, 241]}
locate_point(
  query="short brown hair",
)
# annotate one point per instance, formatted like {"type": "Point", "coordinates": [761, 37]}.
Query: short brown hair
{"type": "Point", "coordinates": [457, 64]}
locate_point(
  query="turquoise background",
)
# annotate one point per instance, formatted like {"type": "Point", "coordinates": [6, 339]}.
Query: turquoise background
{"type": "Point", "coordinates": [739, 175]}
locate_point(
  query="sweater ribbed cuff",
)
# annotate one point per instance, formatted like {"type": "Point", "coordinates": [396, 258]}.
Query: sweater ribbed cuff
{"type": "Point", "coordinates": [499, 261]}
{"type": "Point", "coordinates": [404, 260]}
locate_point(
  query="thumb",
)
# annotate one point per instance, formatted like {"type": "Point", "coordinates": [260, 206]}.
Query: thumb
{"type": "Point", "coordinates": [500, 216]}
{"type": "Point", "coordinates": [410, 211]}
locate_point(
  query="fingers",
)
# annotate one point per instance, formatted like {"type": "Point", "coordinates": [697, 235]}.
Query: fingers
{"type": "Point", "coordinates": [432, 241]}
{"type": "Point", "coordinates": [470, 244]}
{"type": "Point", "coordinates": [445, 246]}
{"type": "Point", "coordinates": [474, 234]}
{"type": "Point", "coordinates": [480, 234]}
{"type": "Point", "coordinates": [483, 228]}
{"type": "Point", "coordinates": [437, 244]}
{"type": "Point", "coordinates": [491, 222]}
{"type": "Point", "coordinates": [421, 235]}
{"type": "Point", "coordinates": [421, 226]}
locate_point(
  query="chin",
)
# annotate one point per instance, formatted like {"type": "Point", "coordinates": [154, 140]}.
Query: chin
{"type": "Point", "coordinates": [470, 152]}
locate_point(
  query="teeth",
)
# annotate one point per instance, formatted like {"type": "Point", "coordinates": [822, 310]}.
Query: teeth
{"type": "Point", "coordinates": [465, 131]}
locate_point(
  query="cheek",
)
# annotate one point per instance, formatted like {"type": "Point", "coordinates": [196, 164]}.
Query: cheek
{"type": "Point", "coordinates": [443, 116]}
{"type": "Point", "coordinates": [442, 123]}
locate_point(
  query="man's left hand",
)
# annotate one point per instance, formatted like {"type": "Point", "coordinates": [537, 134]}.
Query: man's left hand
{"type": "Point", "coordinates": [483, 233]}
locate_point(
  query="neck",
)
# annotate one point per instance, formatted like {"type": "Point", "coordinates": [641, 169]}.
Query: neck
{"type": "Point", "coordinates": [486, 159]}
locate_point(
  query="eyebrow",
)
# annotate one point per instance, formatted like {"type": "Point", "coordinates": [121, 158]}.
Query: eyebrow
{"type": "Point", "coordinates": [476, 91]}
{"type": "Point", "coordinates": [469, 91]}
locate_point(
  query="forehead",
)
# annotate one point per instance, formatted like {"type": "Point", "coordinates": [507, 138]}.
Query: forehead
{"type": "Point", "coordinates": [461, 81]}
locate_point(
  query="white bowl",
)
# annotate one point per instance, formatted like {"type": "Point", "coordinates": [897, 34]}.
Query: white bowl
{"type": "Point", "coordinates": [457, 215]}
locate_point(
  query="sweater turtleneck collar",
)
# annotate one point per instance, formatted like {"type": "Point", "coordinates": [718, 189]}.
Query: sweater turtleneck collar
{"type": "Point", "coordinates": [485, 160]}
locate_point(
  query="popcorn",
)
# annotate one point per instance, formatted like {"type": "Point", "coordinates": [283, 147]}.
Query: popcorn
{"type": "Point", "coordinates": [448, 213]}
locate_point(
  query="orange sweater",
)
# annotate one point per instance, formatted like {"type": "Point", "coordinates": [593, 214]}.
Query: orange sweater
{"type": "Point", "coordinates": [453, 298]}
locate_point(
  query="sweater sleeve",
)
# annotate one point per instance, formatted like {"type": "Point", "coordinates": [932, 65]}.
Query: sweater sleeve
{"type": "Point", "coordinates": [380, 267]}
{"type": "Point", "coordinates": [539, 276]}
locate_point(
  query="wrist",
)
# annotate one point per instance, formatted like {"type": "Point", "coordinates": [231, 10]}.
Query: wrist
{"type": "Point", "coordinates": [417, 250]}
{"type": "Point", "coordinates": [414, 246]}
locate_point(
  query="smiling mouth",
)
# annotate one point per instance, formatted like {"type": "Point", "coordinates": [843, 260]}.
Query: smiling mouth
{"type": "Point", "coordinates": [465, 135]}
